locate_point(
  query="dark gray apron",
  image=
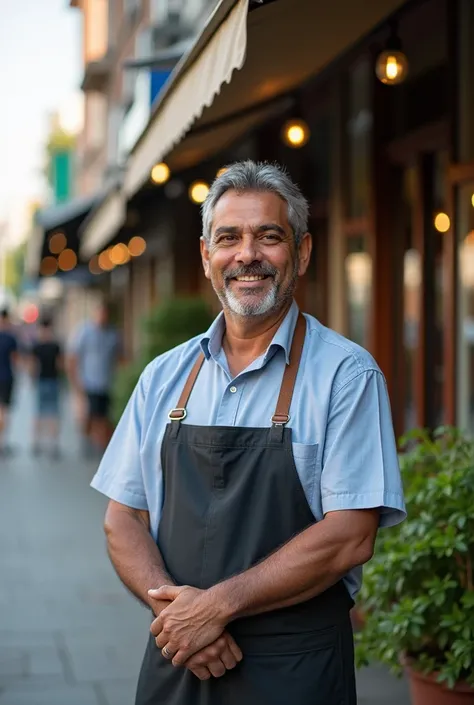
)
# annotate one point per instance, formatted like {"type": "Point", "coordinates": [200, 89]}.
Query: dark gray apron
{"type": "Point", "coordinates": [232, 496]}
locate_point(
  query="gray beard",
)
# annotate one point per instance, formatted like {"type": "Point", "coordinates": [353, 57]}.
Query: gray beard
{"type": "Point", "coordinates": [272, 301]}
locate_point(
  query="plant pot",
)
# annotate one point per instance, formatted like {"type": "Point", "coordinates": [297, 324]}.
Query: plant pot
{"type": "Point", "coordinates": [425, 690]}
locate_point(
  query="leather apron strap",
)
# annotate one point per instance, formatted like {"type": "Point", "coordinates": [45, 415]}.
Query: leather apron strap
{"type": "Point", "coordinates": [282, 411]}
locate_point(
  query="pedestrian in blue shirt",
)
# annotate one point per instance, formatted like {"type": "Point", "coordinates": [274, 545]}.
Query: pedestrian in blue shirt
{"type": "Point", "coordinates": [92, 362]}
{"type": "Point", "coordinates": [8, 353]}
{"type": "Point", "coordinates": [250, 473]}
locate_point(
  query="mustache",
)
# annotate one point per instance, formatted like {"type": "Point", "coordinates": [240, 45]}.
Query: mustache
{"type": "Point", "coordinates": [251, 270]}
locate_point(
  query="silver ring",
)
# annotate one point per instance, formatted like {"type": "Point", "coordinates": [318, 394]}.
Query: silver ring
{"type": "Point", "coordinates": [166, 653]}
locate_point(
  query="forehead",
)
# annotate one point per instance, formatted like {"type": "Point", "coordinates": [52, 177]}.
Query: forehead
{"type": "Point", "coordinates": [250, 209]}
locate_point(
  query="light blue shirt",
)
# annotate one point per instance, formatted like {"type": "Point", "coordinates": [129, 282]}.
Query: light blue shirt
{"type": "Point", "coordinates": [97, 350]}
{"type": "Point", "coordinates": [343, 440]}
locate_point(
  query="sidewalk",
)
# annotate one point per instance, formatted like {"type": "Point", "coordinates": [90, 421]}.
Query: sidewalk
{"type": "Point", "coordinates": [69, 632]}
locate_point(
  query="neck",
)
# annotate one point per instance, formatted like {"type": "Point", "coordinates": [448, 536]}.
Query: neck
{"type": "Point", "coordinates": [247, 337]}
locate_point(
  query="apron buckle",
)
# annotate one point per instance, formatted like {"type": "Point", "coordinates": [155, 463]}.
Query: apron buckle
{"type": "Point", "coordinates": [177, 414]}
{"type": "Point", "coordinates": [280, 419]}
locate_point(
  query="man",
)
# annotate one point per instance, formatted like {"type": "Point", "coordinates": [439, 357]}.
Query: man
{"type": "Point", "coordinates": [249, 474]}
{"type": "Point", "coordinates": [46, 366]}
{"type": "Point", "coordinates": [92, 361]}
{"type": "Point", "coordinates": [8, 354]}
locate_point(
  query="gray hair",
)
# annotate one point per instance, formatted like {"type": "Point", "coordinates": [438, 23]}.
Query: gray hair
{"type": "Point", "coordinates": [258, 176]}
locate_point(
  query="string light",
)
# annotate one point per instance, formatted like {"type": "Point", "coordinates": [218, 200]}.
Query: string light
{"type": "Point", "coordinates": [160, 173]}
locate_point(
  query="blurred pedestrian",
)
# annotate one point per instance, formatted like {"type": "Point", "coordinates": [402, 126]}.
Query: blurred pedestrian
{"type": "Point", "coordinates": [8, 355]}
{"type": "Point", "coordinates": [92, 362]}
{"type": "Point", "coordinates": [46, 359]}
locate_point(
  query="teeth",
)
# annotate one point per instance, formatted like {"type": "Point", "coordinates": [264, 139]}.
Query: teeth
{"type": "Point", "coordinates": [250, 279]}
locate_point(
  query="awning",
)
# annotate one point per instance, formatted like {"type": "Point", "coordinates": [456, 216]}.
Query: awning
{"type": "Point", "coordinates": [198, 77]}
{"type": "Point", "coordinates": [103, 223]}
{"type": "Point", "coordinates": [283, 44]}
{"type": "Point", "coordinates": [65, 217]}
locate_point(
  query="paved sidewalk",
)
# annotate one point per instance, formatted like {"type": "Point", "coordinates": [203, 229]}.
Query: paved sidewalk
{"type": "Point", "coordinates": [69, 632]}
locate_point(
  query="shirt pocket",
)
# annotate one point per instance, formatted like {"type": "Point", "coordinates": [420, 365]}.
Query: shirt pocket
{"type": "Point", "coordinates": [308, 466]}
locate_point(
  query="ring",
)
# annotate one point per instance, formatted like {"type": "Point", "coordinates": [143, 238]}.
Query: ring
{"type": "Point", "coordinates": [166, 653]}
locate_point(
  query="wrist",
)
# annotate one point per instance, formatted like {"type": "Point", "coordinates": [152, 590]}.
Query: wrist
{"type": "Point", "coordinates": [226, 601]}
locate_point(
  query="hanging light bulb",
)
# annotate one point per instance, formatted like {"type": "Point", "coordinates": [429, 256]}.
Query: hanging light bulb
{"type": "Point", "coordinates": [391, 66]}
{"type": "Point", "coordinates": [160, 173]}
{"type": "Point", "coordinates": [295, 133]}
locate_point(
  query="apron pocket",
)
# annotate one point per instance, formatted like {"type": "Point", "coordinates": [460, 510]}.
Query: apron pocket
{"type": "Point", "coordinates": [303, 668]}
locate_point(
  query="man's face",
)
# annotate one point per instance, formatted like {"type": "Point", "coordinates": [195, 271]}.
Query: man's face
{"type": "Point", "coordinates": [251, 258]}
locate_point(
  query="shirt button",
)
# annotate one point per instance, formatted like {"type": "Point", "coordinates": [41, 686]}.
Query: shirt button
{"type": "Point", "coordinates": [233, 390]}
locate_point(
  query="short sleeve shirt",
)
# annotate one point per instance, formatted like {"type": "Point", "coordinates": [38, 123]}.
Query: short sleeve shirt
{"type": "Point", "coordinates": [343, 440]}
{"type": "Point", "coordinates": [97, 351]}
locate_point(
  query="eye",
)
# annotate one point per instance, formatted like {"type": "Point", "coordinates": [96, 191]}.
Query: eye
{"type": "Point", "coordinates": [272, 237]}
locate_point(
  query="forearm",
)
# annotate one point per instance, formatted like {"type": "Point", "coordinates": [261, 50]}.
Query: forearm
{"type": "Point", "coordinates": [134, 554]}
{"type": "Point", "coordinates": [303, 568]}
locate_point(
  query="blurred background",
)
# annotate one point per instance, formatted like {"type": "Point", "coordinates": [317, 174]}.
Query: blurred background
{"type": "Point", "coordinates": [116, 117]}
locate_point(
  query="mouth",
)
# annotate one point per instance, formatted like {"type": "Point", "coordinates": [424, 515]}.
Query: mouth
{"type": "Point", "coordinates": [252, 278]}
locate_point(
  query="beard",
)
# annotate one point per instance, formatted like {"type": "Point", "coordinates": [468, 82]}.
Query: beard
{"type": "Point", "coordinates": [252, 301]}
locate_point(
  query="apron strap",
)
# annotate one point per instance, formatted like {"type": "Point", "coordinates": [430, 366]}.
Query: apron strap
{"type": "Point", "coordinates": [179, 413]}
{"type": "Point", "coordinates": [282, 412]}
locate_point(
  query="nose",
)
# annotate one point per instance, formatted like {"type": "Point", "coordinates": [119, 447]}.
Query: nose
{"type": "Point", "coordinates": [248, 251]}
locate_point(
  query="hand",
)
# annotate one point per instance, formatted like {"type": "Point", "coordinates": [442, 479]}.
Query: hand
{"type": "Point", "coordinates": [215, 659]}
{"type": "Point", "coordinates": [190, 623]}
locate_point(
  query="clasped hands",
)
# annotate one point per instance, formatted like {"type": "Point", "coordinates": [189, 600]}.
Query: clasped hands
{"type": "Point", "coordinates": [190, 631]}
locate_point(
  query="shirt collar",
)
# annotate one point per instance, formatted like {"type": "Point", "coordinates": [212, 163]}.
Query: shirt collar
{"type": "Point", "coordinates": [211, 342]}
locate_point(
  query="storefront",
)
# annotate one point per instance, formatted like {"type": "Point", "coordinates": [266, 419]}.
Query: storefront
{"type": "Point", "coordinates": [388, 171]}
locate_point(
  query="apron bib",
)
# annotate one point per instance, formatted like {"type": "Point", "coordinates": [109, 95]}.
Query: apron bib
{"type": "Point", "coordinates": [232, 496]}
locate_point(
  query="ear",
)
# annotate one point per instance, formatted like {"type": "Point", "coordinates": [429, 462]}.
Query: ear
{"type": "Point", "coordinates": [205, 257]}
{"type": "Point", "coordinates": [304, 253]}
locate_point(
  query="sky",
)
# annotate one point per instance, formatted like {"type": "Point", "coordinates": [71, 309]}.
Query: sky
{"type": "Point", "coordinates": [40, 71]}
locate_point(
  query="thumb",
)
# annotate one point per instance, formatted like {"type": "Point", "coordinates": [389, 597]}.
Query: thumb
{"type": "Point", "coordinates": [165, 592]}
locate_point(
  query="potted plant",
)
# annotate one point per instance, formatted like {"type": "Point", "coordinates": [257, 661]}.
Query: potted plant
{"type": "Point", "coordinates": [418, 591]}
{"type": "Point", "coordinates": [168, 324]}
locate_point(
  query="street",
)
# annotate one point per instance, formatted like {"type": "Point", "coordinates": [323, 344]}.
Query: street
{"type": "Point", "coordinates": [69, 632]}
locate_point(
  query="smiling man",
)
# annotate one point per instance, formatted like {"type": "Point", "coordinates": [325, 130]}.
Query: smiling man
{"type": "Point", "coordinates": [249, 474]}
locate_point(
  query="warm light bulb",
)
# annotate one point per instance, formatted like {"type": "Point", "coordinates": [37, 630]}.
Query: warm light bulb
{"type": "Point", "coordinates": [94, 267]}
{"type": "Point", "coordinates": [136, 246]}
{"type": "Point", "coordinates": [442, 222]}
{"type": "Point", "coordinates": [67, 260]}
{"type": "Point", "coordinates": [221, 171]}
{"type": "Point", "coordinates": [57, 243]}
{"type": "Point", "coordinates": [160, 173]}
{"type": "Point", "coordinates": [119, 254]}
{"type": "Point", "coordinates": [105, 262]}
{"type": "Point", "coordinates": [198, 191]}
{"type": "Point", "coordinates": [48, 267]}
{"type": "Point", "coordinates": [472, 200]}
{"type": "Point", "coordinates": [391, 67]}
{"type": "Point", "coordinates": [295, 133]}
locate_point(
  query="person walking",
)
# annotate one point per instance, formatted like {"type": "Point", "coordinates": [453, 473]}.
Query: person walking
{"type": "Point", "coordinates": [250, 473]}
{"type": "Point", "coordinates": [92, 362]}
{"type": "Point", "coordinates": [47, 364]}
{"type": "Point", "coordinates": [8, 357]}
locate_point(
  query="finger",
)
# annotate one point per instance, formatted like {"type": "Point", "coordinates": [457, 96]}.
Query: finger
{"type": "Point", "coordinates": [234, 647]}
{"type": "Point", "coordinates": [165, 592]}
{"type": "Point", "coordinates": [201, 672]}
{"type": "Point", "coordinates": [162, 640]}
{"type": "Point", "coordinates": [228, 659]}
{"type": "Point", "coordinates": [216, 668]}
{"type": "Point", "coordinates": [156, 626]}
{"type": "Point", "coordinates": [182, 656]}
{"type": "Point", "coordinates": [167, 652]}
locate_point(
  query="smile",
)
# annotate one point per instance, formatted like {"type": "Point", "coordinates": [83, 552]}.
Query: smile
{"type": "Point", "coordinates": [251, 279]}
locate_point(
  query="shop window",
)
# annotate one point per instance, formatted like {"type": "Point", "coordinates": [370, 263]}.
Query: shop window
{"type": "Point", "coordinates": [358, 286]}
{"type": "Point", "coordinates": [358, 135]}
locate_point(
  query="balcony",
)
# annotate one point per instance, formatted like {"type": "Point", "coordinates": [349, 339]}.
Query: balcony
{"type": "Point", "coordinates": [96, 74]}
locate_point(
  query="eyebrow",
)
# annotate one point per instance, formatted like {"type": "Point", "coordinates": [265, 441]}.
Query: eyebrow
{"type": "Point", "coordinates": [270, 226]}
{"type": "Point", "coordinates": [235, 230]}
